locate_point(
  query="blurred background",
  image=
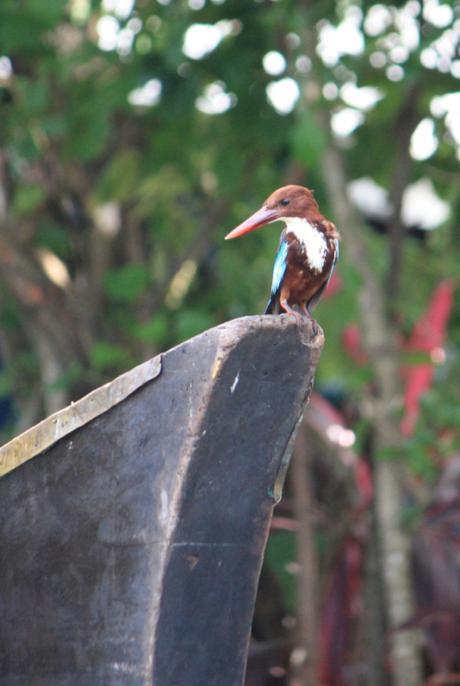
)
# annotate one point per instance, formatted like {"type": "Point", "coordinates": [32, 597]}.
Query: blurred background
{"type": "Point", "coordinates": [133, 136]}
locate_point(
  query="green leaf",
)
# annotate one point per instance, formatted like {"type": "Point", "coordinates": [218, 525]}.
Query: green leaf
{"type": "Point", "coordinates": [153, 331]}
{"type": "Point", "coordinates": [414, 358]}
{"type": "Point", "coordinates": [281, 551]}
{"type": "Point", "coordinates": [55, 237]}
{"type": "Point", "coordinates": [190, 323]}
{"type": "Point", "coordinates": [28, 198]}
{"type": "Point", "coordinates": [307, 140]}
{"type": "Point", "coordinates": [120, 177]}
{"type": "Point", "coordinates": [126, 284]}
{"type": "Point", "coordinates": [6, 384]}
{"type": "Point", "coordinates": [106, 356]}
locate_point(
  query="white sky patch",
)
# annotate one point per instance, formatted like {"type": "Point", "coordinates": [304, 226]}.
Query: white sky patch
{"type": "Point", "coordinates": [448, 106]}
{"type": "Point", "coordinates": [429, 58]}
{"type": "Point", "coordinates": [134, 24]}
{"type": "Point", "coordinates": [423, 142]}
{"type": "Point", "coordinates": [283, 94]}
{"type": "Point", "coordinates": [107, 29]}
{"type": "Point", "coordinates": [378, 19]}
{"type": "Point", "coordinates": [422, 206]}
{"type": "Point", "coordinates": [6, 68]}
{"type": "Point", "coordinates": [303, 64]}
{"type": "Point", "coordinates": [399, 54]}
{"type": "Point", "coordinates": [293, 40]}
{"type": "Point", "coordinates": [378, 59]}
{"type": "Point", "coordinates": [410, 35]}
{"type": "Point", "coordinates": [369, 197]}
{"type": "Point", "coordinates": [274, 63]}
{"type": "Point", "coordinates": [330, 91]}
{"type": "Point", "coordinates": [125, 40]}
{"type": "Point", "coordinates": [394, 72]}
{"type": "Point", "coordinates": [112, 37]}
{"type": "Point", "coordinates": [344, 39]}
{"type": "Point", "coordinates": [455, 69]}
{"type": "Point", "coordinates": [215, 99]}
{"type": "Point", "coordinates": [147, 95]}
{"type": "Point", "coordinates": [364, 98]}
{"type": "Point", "coordinates": [442, 53]}
{"type": "Point", "coordinates": [407, 25]}
{"type": "Point", "coordinates": [399, 31]}
{"type": "Point", "coordinates": [201, 39]}
{"type": "Point", "coordinates": [120, 8]}
{"type": "Point", "coordinates": [345, 121]}
{"type": "Point", "coordinates": [438, 15]}
{"type": "Point", "coordinates": [443, 104]}
{"type": "Point", "coordinates": [196, 4]}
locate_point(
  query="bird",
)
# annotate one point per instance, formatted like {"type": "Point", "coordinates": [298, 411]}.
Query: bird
{"type": "Point", "coordinates": [307, 253]}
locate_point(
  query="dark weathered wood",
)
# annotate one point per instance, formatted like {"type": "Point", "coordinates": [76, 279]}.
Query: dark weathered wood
{"type": "Point", "coordinates": [131, 547]}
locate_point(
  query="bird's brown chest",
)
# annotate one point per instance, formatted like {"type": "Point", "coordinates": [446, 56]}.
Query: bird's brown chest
{"type": "Point", "coordinates": [303, 280]}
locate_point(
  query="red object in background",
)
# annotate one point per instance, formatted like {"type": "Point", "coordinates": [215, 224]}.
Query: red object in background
{"type": "Point", "coordinates": [334, 285]}
{"type": "Point", "coordinates": [340, 611]}
{"type": "Point", "coordinates": [351, 339]}
{"type": "Point", "coordinates": [427, 336]}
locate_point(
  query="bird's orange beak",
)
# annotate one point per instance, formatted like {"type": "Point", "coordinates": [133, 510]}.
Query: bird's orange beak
{"type": "Point", "coordinates": [255, 221]}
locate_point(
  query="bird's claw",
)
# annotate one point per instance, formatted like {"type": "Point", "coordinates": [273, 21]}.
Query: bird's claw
{"type": "Point", "coordinates": [302, 320]}
{"type": "Point", "coordinates": [314, 327]}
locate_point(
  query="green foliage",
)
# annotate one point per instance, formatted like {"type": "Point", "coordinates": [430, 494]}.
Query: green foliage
{"type": "Point", "coordinates": [281, 554]}
{"type": "Point", "coordinates": [107, 356]}
{"type": "Point", "coordinates": [153, 331]}
{"type": "Point", "coordinates": [28, 199]}
{"type": "Point", "coordinates": [120, 177]}
{"type": "Point", "coordinates": [190, 323]}
{"type": "Point", "coordinates": [126, 284]}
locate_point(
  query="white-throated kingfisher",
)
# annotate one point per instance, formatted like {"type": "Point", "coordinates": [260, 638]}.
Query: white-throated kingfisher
{"type": "Point", "coordinates": [307, 251]}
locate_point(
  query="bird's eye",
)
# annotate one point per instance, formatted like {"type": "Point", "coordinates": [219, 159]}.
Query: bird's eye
{"type": "Point", "coordinates": [284, 202]}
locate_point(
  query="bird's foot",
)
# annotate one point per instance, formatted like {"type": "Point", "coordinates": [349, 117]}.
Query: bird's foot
{"type": "Point", "coordinates": [314, 323]}
{"type": "Point", "coordinates": [314, 327]}
{"type": "Point", "coordinates": [300, 320]}
{"type": "Point", "coordinates": [297, 315]}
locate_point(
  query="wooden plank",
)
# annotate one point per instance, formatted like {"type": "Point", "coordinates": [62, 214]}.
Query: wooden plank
{"type": "Point", "coordinates": [42, 436]}
{"type": "Point", "coordinates": [131, 548]}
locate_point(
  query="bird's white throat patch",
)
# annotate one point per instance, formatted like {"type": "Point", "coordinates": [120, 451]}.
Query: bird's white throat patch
{"type": "Point", "coordinates": [312, 240]}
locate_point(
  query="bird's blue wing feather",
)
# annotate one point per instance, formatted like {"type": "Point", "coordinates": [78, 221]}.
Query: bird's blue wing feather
{"type": "Point", "coordinates": [279, 268]}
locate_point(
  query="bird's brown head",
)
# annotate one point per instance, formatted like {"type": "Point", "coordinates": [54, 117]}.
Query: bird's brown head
{"type": "Point", "coordinates": [288, 201]}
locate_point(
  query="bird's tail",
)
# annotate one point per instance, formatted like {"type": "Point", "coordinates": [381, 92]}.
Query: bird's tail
{"type": "Point", "coordinates": [273, 306]}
